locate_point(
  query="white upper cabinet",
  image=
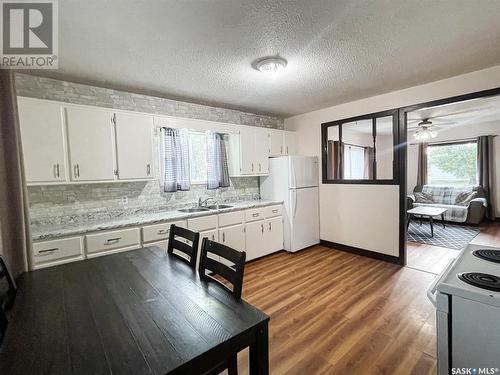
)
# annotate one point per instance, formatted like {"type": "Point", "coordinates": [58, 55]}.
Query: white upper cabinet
{"type": "Point", "coordinates": [262, 151]}
{"type": "Point", "coordinates": [91, 146]}
{"type": "Point", "coordinates": [276, 141]}
{"type": "Point", "coordinates": [42, 134]}
{"type": "Point", "coordinates": [134, 146]}
{"type": "Point", "coordinates": [290, 143]}
{"type": "Point", "coordinates": [249, 152]}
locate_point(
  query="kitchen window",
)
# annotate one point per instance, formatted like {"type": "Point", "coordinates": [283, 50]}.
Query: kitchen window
{"type": "Point", "coordinates": [198, 157]}
{"type": "Point", "coordinates": [452, 164]}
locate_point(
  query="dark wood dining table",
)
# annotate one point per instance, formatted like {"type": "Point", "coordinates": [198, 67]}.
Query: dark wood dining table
{"type": "Point", "coordinates": [137, 312]}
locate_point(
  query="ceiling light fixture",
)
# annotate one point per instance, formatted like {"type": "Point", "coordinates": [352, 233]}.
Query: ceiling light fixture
{"type": "Point", "coordinates": [424, 131]}
{"type": "Point", "coordinates": [271, 65]}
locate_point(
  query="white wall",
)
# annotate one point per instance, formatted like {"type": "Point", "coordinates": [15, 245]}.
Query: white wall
{"type": "Point", "coordinates": [454, 133]}
{"type": "Point", "coordinates": [367, 216]}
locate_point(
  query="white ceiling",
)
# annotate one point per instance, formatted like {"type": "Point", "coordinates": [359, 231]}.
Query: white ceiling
{"type": "Point", "coordinates": [337, 51]}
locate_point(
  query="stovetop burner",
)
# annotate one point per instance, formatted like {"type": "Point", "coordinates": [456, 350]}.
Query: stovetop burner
{"type": "Point", "coordinates": [488, 254]}
{"type": "Point", "coordinates": [481, 280]}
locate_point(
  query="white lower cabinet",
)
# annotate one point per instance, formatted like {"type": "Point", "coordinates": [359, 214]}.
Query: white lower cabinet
{"type": "Point", "coordinates": [254, 238]}
{"type": "Point", "coordinates": [112, 242]}
{"type": "Point", "coordinates": [53, 252]}
{"type": "Point", "coordinates": [233, 236]}
{"type": "Point", "coordinates": [273, 234]}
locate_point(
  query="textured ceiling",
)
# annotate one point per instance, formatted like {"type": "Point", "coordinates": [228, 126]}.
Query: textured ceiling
{"type": "Point", "coordinates": [337, 51]}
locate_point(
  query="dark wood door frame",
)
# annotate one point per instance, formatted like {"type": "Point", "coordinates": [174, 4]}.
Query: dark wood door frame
{"type": "Point", "coordinates": [403, 155]}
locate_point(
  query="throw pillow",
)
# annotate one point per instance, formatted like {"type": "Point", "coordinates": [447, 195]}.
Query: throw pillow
{"type": "Point", "coordinates": [464, 198]}
{"type": "Point", "coordinates": [423, 198]}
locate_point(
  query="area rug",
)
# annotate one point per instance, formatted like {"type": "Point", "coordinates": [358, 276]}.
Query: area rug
{"type": "Point", "coordinates": [452, 237]}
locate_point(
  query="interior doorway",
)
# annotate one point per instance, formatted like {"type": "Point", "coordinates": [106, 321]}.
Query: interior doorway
{"type": "Point", "coordinates": [452, 192]}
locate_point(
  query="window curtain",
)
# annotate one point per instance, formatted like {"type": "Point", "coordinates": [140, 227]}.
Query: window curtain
{"type": "Point", "coordinates": [334, 171]}
{"type": "Point", "coordinates": [217, 167]}
{"type": "Point", "coordinates": [15, 236]}
{"type": "Point", "coordinates": [485, 172]}
{"type": "Point", "coordinates": [422, 164]}
{"type": "Point", "coordinates": [368, 165]}
{"type": "Point", "coordinates": [176, 160]}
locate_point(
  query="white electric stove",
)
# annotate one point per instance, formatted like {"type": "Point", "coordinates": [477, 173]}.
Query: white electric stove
{"type": "Point", "coordinates": [467, 300]}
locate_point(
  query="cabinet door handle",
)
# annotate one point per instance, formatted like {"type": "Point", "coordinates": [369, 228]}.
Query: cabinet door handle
{"type": "Point", "coordinates": [252, 167]}
{"type": "Point", "coordinates": [58, 171]}
{"type": "Point", "coordinates": [55, 170]}
{"type": "Point", "coordinates": [281, 150]}
{"type": "Point", "coordinates": [111, 241]}
{"type": "Point", "coordinates": [287, 150]}
{"type": "Point", "coordinates": [223, 236]}
{"type": "Point", "coordinates": [270, 227]}
{"type": "Point", "coordinates": [76, 170]}
{"type": "Point", "coordinates": [275, 211]}
{"type": "Point", "coordinates": [163, 231]}
{"type": "Point", "coordinates": [262, 227]}
{"type": "Point", "coordinates": [255, 215]}
{"type": "Point", "coordinates": [213, 237]}
{"type": "Point", "coordinates": [148, 169]}
{"type": "Point", "coordinates": [48, 250]}
{"type": "Point", "coordinates": [260, 167]}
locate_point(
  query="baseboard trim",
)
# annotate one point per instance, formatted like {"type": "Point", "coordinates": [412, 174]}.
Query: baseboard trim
{"type": "Point", "coordinates": [359, 251]}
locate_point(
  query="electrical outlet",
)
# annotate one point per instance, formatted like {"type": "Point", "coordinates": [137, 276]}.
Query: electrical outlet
{"type": "Point", "coordinates": [124, 200]}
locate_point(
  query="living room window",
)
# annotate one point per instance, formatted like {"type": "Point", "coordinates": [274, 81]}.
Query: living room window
{"type": "Point", "coordinates": [452, 164]}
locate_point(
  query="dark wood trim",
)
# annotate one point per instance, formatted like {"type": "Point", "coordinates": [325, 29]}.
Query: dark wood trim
{"type": "Point", "coordinates": [359, 251]}
{"type": "Point", "coordinates": [373, 117]}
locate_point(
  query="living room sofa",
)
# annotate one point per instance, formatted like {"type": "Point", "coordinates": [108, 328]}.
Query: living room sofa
{"type": "Point", "coordinates": [471, 211]}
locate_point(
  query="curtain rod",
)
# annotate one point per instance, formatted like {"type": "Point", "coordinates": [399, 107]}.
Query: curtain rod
{"type": "Point", "coordinates": [450, 141]}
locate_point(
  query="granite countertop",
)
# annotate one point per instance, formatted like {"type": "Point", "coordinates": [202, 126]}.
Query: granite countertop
{"type": "Point", "coordinates": [51, 231]}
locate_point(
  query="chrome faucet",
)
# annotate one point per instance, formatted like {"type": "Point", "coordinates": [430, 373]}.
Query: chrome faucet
{"type": "Point", "coordinates": [202, 203]}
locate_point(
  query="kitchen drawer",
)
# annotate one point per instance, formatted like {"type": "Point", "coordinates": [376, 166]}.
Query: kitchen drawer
{"type": "Point", "coordinates": [119, 239]}
{"type": "Point", "coordinates": [57, 250]}
{"type": "Point", "coordinates": [159, 232]}
{"type": "Point", "coordinates": [231, 218]}
{"type": "Point", "coordinates": [273, 211]}
{"type": "Point", "coordinates": [199, 224]}
{"type": "Point", "coordinates": [254, 214]}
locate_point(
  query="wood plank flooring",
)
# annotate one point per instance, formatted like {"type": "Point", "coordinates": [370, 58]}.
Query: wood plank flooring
{"type": "Point", "coordinates": [434, 259]}
{"type": "Point", "coordinates": [337, 313]}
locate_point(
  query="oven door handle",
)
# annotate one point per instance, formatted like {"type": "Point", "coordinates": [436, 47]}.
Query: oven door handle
{"type": "Point", "coordinates": [431, 292]}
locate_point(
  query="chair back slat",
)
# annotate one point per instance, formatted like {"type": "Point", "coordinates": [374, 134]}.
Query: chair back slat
{"type": "Point", "coordinates": [7, 296]}
{"type": "Point", "coordinates": [7, 287]}
{"type": "Point", "coordinates": [189, 250]}
{"type": "Point", "coordinates": [233, 274]}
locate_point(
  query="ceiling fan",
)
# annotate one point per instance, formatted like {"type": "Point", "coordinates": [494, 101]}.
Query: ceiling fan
{"type": "Point", "coordinates": [425, 130]}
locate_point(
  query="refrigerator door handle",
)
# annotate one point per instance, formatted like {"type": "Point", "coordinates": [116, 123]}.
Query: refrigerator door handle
{"type": "Point", "coordinates": [294, 202]}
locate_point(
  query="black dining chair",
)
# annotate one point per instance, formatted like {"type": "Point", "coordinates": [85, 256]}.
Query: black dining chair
{"type": "Point", "coordinates": [188, 252]}
{"type": "Point", "coordinates": [230, 269]}
{"type": "Point", "coordinates": [7, 295]}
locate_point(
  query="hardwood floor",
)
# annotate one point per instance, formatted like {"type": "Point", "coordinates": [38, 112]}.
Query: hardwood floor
{"type": "Point", "coordinates": [434, 259]}
{"type": "Point", "coordinates": [337, 313]}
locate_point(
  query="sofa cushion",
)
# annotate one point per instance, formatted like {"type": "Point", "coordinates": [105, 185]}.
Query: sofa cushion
{"type": "Point", "coordinates": [464, 198]}
{"type": "Point", "coordinates": [423, 198]}
{"type": "Point", "coordinates": [445, 194]}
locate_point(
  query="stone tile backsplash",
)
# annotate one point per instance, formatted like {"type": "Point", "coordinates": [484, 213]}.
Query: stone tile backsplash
{"type": "Point", "coordinates": [71, 203]}
{"type": "Point", "coordinates": [93, 202]}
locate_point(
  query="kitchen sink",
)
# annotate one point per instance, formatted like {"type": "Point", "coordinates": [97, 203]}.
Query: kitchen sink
{"type": "Point", "coordinates": [190, 210]}
{"type": "Point", "coordinates": [218, 206]}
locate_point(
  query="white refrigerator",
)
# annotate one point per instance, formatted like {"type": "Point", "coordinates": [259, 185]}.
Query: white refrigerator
{"type": "Point", "coordinates": [294, 180]}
